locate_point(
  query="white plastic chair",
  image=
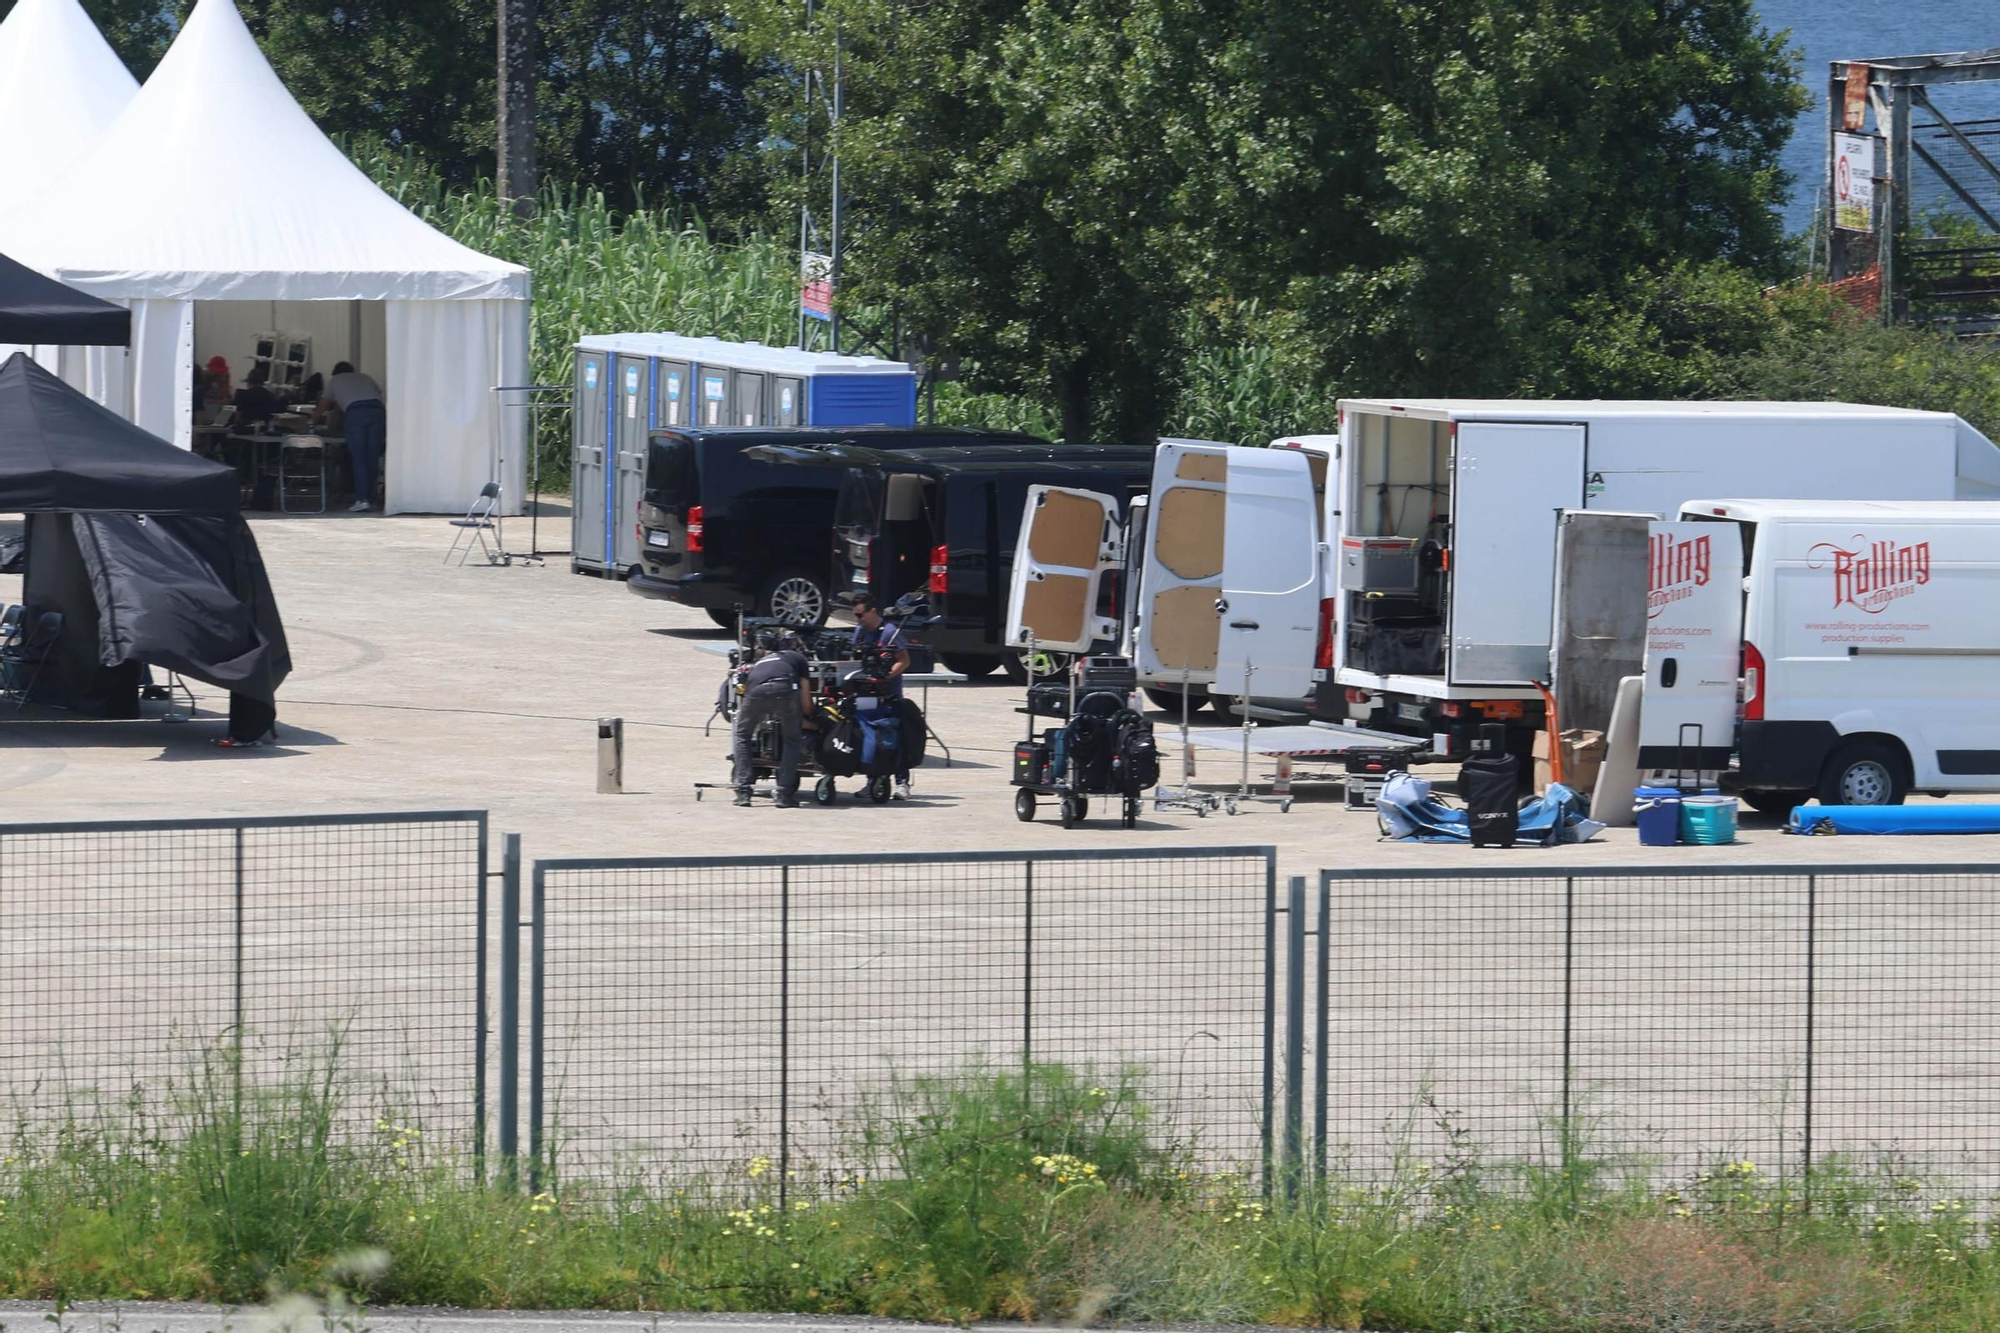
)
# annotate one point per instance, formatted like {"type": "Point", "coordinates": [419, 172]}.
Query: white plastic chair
{"type": "Point", "coordinates": [478, 521]}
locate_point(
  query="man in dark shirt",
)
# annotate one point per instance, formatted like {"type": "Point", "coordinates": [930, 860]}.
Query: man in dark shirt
{"type": "Point", "coordinates": [776, 689]}
{"type": "Point", "coordinates": [871, 632]}
{"type": "Point", "coordinates": [255, 403]}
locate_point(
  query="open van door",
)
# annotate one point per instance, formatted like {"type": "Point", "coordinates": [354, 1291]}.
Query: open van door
{"type": "Point", "coordinates": [1068, 539]}
{"type": "Point", "coordinates": [1179, 628]}
{"type": "Point", "coordinates": [1508, 481]}
{"type": "Point", "coordinates": [1694, 646]}
{"type": "Point", "coordinates": [1270, 575]}
{"type": "Point", "coordinates": [1600, 619]}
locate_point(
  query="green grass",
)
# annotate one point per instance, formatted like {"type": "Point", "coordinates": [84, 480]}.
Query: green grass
{"type": "Point", "coordinates": [1058, 1195]}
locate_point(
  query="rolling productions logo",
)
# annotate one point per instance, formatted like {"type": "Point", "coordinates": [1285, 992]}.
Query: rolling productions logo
{"type": "Point", "coordinates": [1873, 574]}
{"type": "Point", "coordinates": [1674, 569]}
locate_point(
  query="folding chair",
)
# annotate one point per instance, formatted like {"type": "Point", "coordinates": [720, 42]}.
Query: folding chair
{"type": "Point", "coordinates": [10, 626]}
{"type": "Point", "coordinates": [478, 521]}
{"type": "Point", "coordinates": [301, 468]}
{"type": "Point", "coordinates": [21, 661]}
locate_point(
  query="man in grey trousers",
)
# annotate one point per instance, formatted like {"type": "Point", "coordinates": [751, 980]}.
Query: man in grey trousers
{"type": "Point", "coordinates": [777, 689]}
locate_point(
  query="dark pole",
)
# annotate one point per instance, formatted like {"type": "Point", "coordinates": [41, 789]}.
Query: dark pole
{"type": "Point", "coordinates": [516, 87]}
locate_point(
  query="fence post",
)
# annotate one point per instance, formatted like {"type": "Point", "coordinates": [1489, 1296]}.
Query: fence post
{"type": "Point", "coordinates": [1812, 992]}
{"type": "Point", "coordinates": [480, 1031]}
{"type": "Point", "coordinates": [1295, 1033]}
{"type": "Point", "coordinates": [510, 1010]}
{"type": "Point", "coordinates": [1320, 1027]}
{"type": "Point", "coordinates": [236, 994]}
{"type": "Point", "coordinates": [535, 1071]}
{"type": "Point", "coordinates": [784, 1033]}
{"type": "Point", "coordinates": [1569, 1009]}
{"type": "Point", "coordinates": [1270, 1013]}
{"type": "Point", "coordinates": [1027, 981]}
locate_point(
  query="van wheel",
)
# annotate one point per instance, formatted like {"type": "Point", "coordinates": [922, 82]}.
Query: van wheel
{"type": "Point", "coordinates": [973, 665]}
{"type": "Point", "coordinates": [726, 619]}
{"type": "Point", "coordinates": [1168, 698]}
{"type": "Point", "coordinates": [1863, 773]}
{"type": "Point", "coordinates": [797, 598]}
{"type": "Point", "coordinates": [1779, 803]}
{"type": "Point", "coordinates": [1039, 666]}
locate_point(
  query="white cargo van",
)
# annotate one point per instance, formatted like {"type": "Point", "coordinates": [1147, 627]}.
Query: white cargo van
{"type": "Point", "coordinates": [1870, 635]}
{"type": "Point", "coordinates": [1438, 565]}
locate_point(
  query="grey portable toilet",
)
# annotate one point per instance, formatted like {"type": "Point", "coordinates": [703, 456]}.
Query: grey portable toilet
{"type": "Point", "coordinates": [630, 384]}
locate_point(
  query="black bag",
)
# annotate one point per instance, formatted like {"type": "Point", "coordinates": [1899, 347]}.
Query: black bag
{"type": "Point", "coordinates": [840, 748]}
{"type": "Point", "coordinates": [1492, 787]}
{"type": "Point", "coordinates": [1135, 765]}
{"type": "Point", "coordinates": [915, 733]}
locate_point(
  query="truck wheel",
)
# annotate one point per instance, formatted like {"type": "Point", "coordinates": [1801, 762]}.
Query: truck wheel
{"type": "Point", "coordinates": [1779, 803]}
{"type": "Point", "coordinates": [973, 665]}
{"type": "Point", "coordinates": [797, 598]}
{"type": "Point", "coordinates": [1863, 773]}
{"type": "Point", "coordinates": [726, 619]}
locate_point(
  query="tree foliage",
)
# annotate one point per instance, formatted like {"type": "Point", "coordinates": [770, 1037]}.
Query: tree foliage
{"type": "Point", "coordinates": [1419, 189]}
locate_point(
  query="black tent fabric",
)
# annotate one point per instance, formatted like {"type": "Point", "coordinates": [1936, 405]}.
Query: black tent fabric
{"type": "Point", "coordinates": [188, 593]}
{"type": "Point", "coordinates": [59, 451]}
{"type": "Point", "coordinates": [35, 309]}
{"type": "Point", "coordinates": [138, 544]}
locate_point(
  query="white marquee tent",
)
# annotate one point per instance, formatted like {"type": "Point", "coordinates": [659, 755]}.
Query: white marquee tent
{"type": "Point", "coordinates": [301, 242]}
{"type": "Point", "coordinates": [60, 85]}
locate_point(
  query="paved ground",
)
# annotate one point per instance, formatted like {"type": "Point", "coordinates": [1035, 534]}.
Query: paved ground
{"type": "Point", "coordinates": [418, 686]}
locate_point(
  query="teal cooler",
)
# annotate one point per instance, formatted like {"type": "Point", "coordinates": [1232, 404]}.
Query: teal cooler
{"type": "Point", "coordinates": [1708, 820]}
{"type": "Point", "coordinates": [1657, 810]}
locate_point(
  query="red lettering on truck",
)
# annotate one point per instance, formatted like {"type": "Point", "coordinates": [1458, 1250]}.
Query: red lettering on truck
{"type": "Point", "coordinates": [1674, 569]}
{"type": "Point", "coordinates": [1869, 575]}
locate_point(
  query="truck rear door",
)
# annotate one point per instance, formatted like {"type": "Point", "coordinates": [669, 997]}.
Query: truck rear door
{"type": "Point", "coordinates": [1068, 539]}
{"type": "Point", "coordinates": [1509, 481]}
{"type": "Point", "coordinates": [1694, 646]}
{"type": "Point", "coordinates": [1270, 578]}
{"type": "Point", "coordinates": [1179, 628]}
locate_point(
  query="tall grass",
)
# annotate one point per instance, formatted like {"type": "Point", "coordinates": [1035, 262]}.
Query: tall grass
{"type": "Point", "coordinates": [599, 270]}
{"type": "Point", "coordinates": [1053, 1194]}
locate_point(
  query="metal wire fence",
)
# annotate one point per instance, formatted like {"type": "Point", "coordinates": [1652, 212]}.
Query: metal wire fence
{"type": "Point", "coordinates": [1659, 1024]}
{"type": "Point", "coordinates": [689, 1016]}
{"type": "Point", "coordinates": [137, 959]}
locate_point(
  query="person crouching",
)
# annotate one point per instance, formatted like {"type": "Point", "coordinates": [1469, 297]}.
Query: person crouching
{"type": "Point", "coordinates": [777, 689]}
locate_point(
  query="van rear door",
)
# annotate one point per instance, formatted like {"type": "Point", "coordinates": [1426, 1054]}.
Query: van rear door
{"type": "Point", "coordinates": [1179, 629]}
{"type": "Point", "coordinates": [1694, 645]}
{"type": "Point", "coordinates": [1068, 539]}
{"type": "Point", "coordinates": [1270, 579]}
{"type": "Point", "coordinates": [1509, 481]}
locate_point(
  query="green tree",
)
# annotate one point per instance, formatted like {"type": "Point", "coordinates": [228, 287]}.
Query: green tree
{"type": "Point", "coordinates": [1431, 184]}
{"type": "Point", "coordinates": [1016, 177]}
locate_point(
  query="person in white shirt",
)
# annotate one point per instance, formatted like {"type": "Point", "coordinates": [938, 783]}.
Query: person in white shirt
{"type": "Point", "coordinates": [364, 421]}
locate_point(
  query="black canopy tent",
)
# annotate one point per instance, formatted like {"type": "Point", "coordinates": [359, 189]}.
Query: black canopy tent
{"type": "Point", "coordinates": [35, 309]}
{"type": "Point", "coordinates": [138, 544]}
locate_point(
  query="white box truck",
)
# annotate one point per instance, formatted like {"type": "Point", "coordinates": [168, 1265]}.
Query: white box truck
{"type": "Point", "coordinates": [1438, 527]}
{"type": "Point", "coordinates": [1868, 634]}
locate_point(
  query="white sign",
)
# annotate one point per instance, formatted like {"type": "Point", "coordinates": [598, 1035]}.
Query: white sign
{"type": "Point", "coordinates": [1854, 182]}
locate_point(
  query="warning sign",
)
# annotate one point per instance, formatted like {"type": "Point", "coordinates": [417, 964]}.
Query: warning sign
{"type": "Point", "coordinates": [1854, 182]}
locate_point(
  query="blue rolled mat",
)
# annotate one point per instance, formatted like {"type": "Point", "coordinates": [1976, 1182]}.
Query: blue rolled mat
{"type": "Point", "coordinates": [1895, 819]}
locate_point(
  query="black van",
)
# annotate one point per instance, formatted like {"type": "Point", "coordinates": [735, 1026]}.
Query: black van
{"type": "Point", "coordinates": [721, 530]}
{"type": "Point", "coordinates": [945, 522]}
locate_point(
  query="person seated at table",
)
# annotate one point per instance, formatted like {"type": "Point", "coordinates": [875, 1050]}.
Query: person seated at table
{"type": "Point", "coordinates": [364, 421]}
{"type": "Point", "coordinates": [255, 402]}
{"type": "Point", "coordinates": [313, 390]}
{"type": "Point", "coordinates": [218, 393]}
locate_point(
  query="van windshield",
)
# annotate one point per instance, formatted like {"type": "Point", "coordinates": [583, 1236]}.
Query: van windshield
{"type": "Point", "coordinates": [673, 476]}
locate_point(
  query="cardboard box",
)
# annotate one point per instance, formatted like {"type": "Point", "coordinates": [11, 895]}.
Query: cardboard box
{"type": "Point", "coordinates": [1583, 756]}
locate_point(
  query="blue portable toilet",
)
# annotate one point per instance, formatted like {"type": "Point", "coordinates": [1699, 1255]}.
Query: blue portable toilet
{"type": "Point", "coordinates": [630, 384]}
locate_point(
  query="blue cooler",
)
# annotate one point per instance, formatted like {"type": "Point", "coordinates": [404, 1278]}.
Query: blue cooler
{"type": "Point", "coordinates": [1658, 811]}
{"type": "Point", "coordinates": [1708, 820]}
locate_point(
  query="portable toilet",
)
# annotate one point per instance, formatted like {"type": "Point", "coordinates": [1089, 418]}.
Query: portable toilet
{"type": "Point", "coordinates": [631, 384]}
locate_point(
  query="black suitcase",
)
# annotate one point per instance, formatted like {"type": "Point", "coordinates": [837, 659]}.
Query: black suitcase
{"type": "Point", "coordinates": [1491, 784]}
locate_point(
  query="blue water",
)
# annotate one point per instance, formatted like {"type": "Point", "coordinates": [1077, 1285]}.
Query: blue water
{"type": "Point", "coordinates": [1858, 29]}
